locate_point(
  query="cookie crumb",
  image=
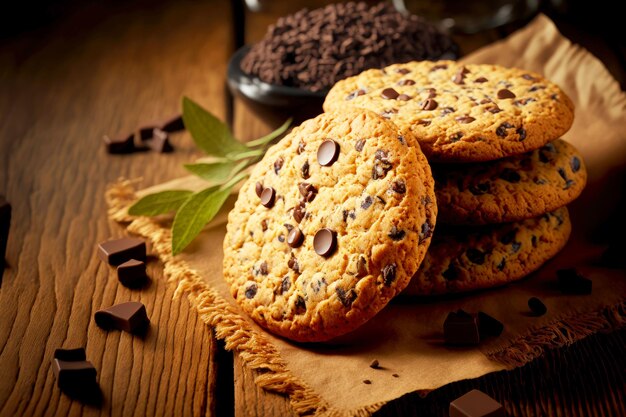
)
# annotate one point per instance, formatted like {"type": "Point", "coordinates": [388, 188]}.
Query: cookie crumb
{"type": "Point", "coordinates": [375, 364]}
{"type": "Point", "coordinates": [395, 375]}
{"type": "Point", "coordinates": [367, 381]}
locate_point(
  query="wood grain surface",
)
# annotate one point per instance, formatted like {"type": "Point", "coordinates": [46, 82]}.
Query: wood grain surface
{"type": "Point", "coordinates": [109, 69]}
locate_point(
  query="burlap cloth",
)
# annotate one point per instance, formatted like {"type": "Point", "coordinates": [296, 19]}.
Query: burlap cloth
{"type": "Point", "coordinates": [406, 336]}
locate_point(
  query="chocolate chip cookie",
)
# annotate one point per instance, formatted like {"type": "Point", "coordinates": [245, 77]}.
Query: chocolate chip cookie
{"type": "Point", "coordinates": [462, 113]}
{"type": "Point", "coordinates": [464, 259]}
{"type": "Point", "coordinates": [511, 189]}
{"type": "Point", "coordinates": [332, 224]}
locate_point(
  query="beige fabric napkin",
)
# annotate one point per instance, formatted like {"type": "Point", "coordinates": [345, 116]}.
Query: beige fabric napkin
{"type": "Point", "coordinates": [406, 337]}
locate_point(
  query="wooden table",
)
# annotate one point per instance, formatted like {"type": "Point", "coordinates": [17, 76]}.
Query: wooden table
{"type": "Point", "coordinates": [102, 70]}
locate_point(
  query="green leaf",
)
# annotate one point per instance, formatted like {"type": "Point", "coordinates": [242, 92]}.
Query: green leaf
{"type": "Point", "coordinates": [192, 216]}
{"type": "Point", "coordinates": [238, 156]}
{"type": "Point", "coordinates": [270, 137]}
{"type": "Point", "coordinates": [214, 171]}
{"type": "Point", "coordinates": [208, 132]}
{"type": "Point", "coordinates": [159, 203]}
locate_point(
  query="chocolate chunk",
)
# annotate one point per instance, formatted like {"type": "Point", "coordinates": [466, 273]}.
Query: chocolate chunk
{"type": "Point", "coordinates": [510, 175]}
{"type": "Point", "coordinates": [346, 297]}
{"type": "Point", "coordinates": [293, 264]}
{"type": "Point", "coordinates": [459, 77]}
{"type": "Point", "coordinates": [74, 373]}
{"type": "Point", "coordinates": [464, 119]}
{"type": "Point", "coordinates": [130, 317]}
{"type": "Point", "coordinates": [119, 144]}
{"type": "Point", "coordinates": [359, 145]}
{"type": "Point", "coordinates": [480, 188]}
{"type": "Point", "coordinates": [268, 197]}
{"type": "Point", "coordinates": [300, 305]}
{"type": "Point", "coordinates": [399, 187]}
{"type": "Point", "coordinates": [264, 225]}
{"type": "Point", "coordinates": [396, 234]}
{"type": "Point", "coordinates": [426, 231]}
{"type": "Point", "coordinates": [159, 142]}
{"type": "Point", "coordinates": [536, 88]}
{"type": "Point", "coordinates": [475, 256]}
{"type": "Point", "coordinates": [382, 165]}
{"type": "Point", "coordinates": [325, 242]}
{"type": "Point", "coordinates": [476, 404]}
{"type": "Point", "coordinates": [258, 189]}
{"type": "Point", "coordinates": [501, 264]}
{"type": "Point", "coordinates": [361, 267]}
{"type": "Point", "coordinates": [5, 223]}
{"type": "Point", "coordinates": [403, 71]}
{"type": "Point", "coordinates": [173, 124]}
{"type": "Point", "coordinates": [132, 274]}
{"type": "Point", "coordinates": [355, 94]}
{"type": "Point", "coordinates": [375, 364]}
{"type": "Point", "coordinates": [493, 109]}
{"type": "Point", "coordinates": [263, 270]}
{"type": "Point", "coordinates": [328, 152]}
{"type": "Point", "coordinates": [447, 110]}
{"type": "Point", "coordinates": [406, 82]}
{"type": "Point", "coordinates": [301, 147]}
{"type": "Point", "coordinates": [299, 212]}
{"type": "Point", "coordinates": [537, 307]}
{"type": "Point", "coordinates": [438, 67]}
{"type": "Point", "coordinates": [404, 97]}
{"type": "Point", "coordinates": [295, 238]}
{"type": "Point", "coordinates": [305, 170]}
{"type": "Point", "coordinates": [521, 132]}
{"type": "Point", "coordinates": [308, 191]}
{"type": "Point", "coordinates": [572, 282]}
{"type": "Point", "coordinates": [451, 273]}
{"type": "Point", "coordinates": [389, 94]}
{"type": "Point", "coordinates": [502, 129]}
{"type": "Point", "coordinates": [481, 80]}
{"type": "Point", "coordinates": [251, 291]}
{"type": "Point", "coordinates": [146, 132]}
{"type": "Point", "coordinates": [70, 355]}
{"type": "Point", "coordinates": [488, 326]}
{"type": "Point", "coordinates": [389, 274]}
{"type": "Point", "coordinates": [367, 202]}
{"type": "Point", "coordinates": [429, 104]}
{"type": "Point", "coordinates": [533, 241]}
{"type": "Point", "coordinates": [528, 77]}
{"type": "Point", "coordinates": [460, 329]}
{"type": "Point", "coordinates": [118, 251]}
{"type": "Point", "coordinates": [285, 284]}
{"type": "Point", "coordinates": [575, 164]}
{"type": "Point", "coordinates": [423, 122]}
{"type": "Point", "coordinates": [278, 164]}
{"type": "Point", "coordinates": [505, 94]}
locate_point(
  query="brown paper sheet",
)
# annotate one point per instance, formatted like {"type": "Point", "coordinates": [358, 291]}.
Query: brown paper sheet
{"type": "Point", "coordinates": [406, 336]}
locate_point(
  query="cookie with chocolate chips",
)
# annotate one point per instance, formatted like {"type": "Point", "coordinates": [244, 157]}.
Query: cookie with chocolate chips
{"type": "Point", "coordinates": [462, 113]}
{"type": "Point", "coordinates": [462, 259]}
{"type": "Point", "coordinates": [511, 189]}
{"type": "Point", "coordinates": [355, 225]}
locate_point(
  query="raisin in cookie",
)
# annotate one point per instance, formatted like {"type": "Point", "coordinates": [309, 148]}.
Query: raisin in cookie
{"type": "Point", "coordinates": [332, 224]}
{"type": "Point", "coordinates": [511, 189]}
{"type": "Point", "coordinates": [465, 259]}
{"type": "Point", "coordinates": [461, 113]}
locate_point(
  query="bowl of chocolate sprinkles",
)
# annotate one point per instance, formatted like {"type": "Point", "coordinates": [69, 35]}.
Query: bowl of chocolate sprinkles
{"type": "Point", "coordinates": [303, 54]}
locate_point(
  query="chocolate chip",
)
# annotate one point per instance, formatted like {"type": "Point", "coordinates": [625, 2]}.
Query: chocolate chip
{"type": "Point", "coordinates": [281, 238]}
{"type": "Point", "coordinates": [459, 77]}
{"type": "Point", "coordinates": [404, 97]}
{"type": "Point", "coordinates": [258, 189]}
{"type": "Point", "coordinates": [293, 264]}
{"type": "Point", "coordinates": [426, 231]}
{"type": "Point", "coordinates": [367, 202]}
{"type": "Point", "coordinates": [572, 282]}
{"type": "Point", "coordinates": [451, 273]}
{"type": "Point", "coordinates": [361, 267]}
{"type": "Point", "coordinates": [382, 165]}
{"type": "Point", "coordinates": [118, 251]}
{"type": "Point", "coordinates": [493, 109]}
{"type": "Point", "coordinates": [389, 94]}
{"type": "Point", "coordinates": [401, 139]}
{"type": "Point", "coordinates": [481, 80]}
{"type": "Point", "coordinates": [305, 170]}
{"type": "Point", "coordinates": [464, 119]}
{"type": "Point", "coordinates": [508, 237]}
{"type": "Point", "coordinates": [132, 273]}
{"type": "Point", "coordinates": [300, 305]}
{"type": "Point", "coordinates": [295, 238]}
{"type": "Point", "coordinates": [396, 234]}
{"type": "Point", "coordinates": [528, 77]}
{"type": "Point", "coordinates": [406, 82]}
{"type": "Point", "coordinates": [268, 197]}
{"type": "Point", "coordinates": [460, 329]}
{"type": "Point", "coordinates": [308, 191]}
{"type": "Point", "coordinates": [515, 247]}
{"type": "Point", "coordinates": [251, 291]}
{"type": "Point", "coordinates": [480, 188]}
{"type": "Point", "coordinates": [537, 307]}
{"type": "Point", "coordinates": [299, 212]}
{"type": "Point", "coordinates": [505, 94]}
{"type": "Point", "coordinates": [359, 145]}
{"type": "Point", "coordinates": [263, 270]}
{"type": "Point", "coordinates": [510, 175]}
{"type": "Point", "coordinates": [533, 241]}
{"type": "Point", "coordinates": [536, 88]}
{"type": "Point", "coordinates": [328, 152]}
{"type": "Point", "coordinates": [348, 213]}
{"type": "Point", "coordinates": [325, 242]}
{"type": "Point", "coordinates": [74, 374]}
{"type": "Point", "coordinates": [264, 225]}
{"type": "Point", "coordinates": [119, 144]}
{"type": "Point", "coordinates": [476, 404]}
{"type": "Point", "coordinates": [488, 326]}
{"type": "Point", "coordinates": [301, 147]}
{"type": "Point", "coordinates": [355, 94]}
{"type": "Point", "coordinates": [575, 164]}
{"type": "Point", "coordinates": [403, 71]}
{"type": "Point", "coordinates": [438, 67]}
{"type": "Point", "coordinates": [278, 164]}
{"type": "Point", "coordinates": [501, 264]}
{"type": "Point", "coordinates": [521, 132]}
{"type": "Point", "coordinates": [429, 104]}
{"type": "Point", "coordinates": [502, 129]}
{"type": "Point", "coordinates": [399, 186]}
{"type": "Point", "coordinates": [475, 256]}
{"type": "Point", "coordinates": [388, 113]}
{"type": "Point", "coordinates": [130, 317]}
{"type": "Point", "coordinates": [423, 122]}
{"type": "Point", "coordinates": [554, 97]}
{"type": "Point", "coordinates": [389, 274]}
{"type": "Point", "coordinates": [285, 284]}
{"type": "Point", "coordinates": [346, 297]}
{"type": "Point", "coordinates": [447, 110]}
{"type": "Point", "coordinates": [70, 355]}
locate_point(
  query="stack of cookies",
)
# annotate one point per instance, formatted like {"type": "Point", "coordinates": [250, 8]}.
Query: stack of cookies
{"type": "Point", "coordinates": [502, 175]}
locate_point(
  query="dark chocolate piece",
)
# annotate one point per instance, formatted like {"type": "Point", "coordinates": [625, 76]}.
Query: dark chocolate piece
{"type": "Point", "coordinates": [173, 124]}
{"type": "Point", "coordinates": [572, 282]}
{"type": "Point", "coordinates": [464, 119]}
{"type": "Point", "coordinates": [461, 329]}
{"type": "Point", "coordinates": [268, 196]}
{"type": "Point", "coordinates": [429, 104]}
{"type": "Point", "coordinates": [476, 404]}
{"type": "Point", "coordinates": [325, 242]}
{"type": "Point", "coordinates": [375, 364]}
{"type": "Point", "coordinates": [481, 80]}
{"type": "Point", "coordinates": [488, 326]}
{"type": "Point", "coordinates": [119, 144]}
{"type": "Point", "coordinates": [328, 152]}
{"type": "Point", "coordinates": [5, 223]}
{"type": "Point", "coordinates": [389, 94]}
{"type": "Point", "coordinates": [130, 317]}
{"type": "Point", "coordinates": [537, 307]}
{"type": "Point", "coordinates": [295, 238]}
{"type": "Point", "coordinates": [132, 274]}
{"type": "Point", "coordinates": [159, 142]}
{"type": "Point", "coordinates": [118, 251]}
{"type": "Point", "coordinates": [146, 132]}
{"type": "Point", "coordinates": [70, 355]}
{"type": "Point", "coordinates": [73, 373]}
{"type": "Point", "coordinates": [505, 94]}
